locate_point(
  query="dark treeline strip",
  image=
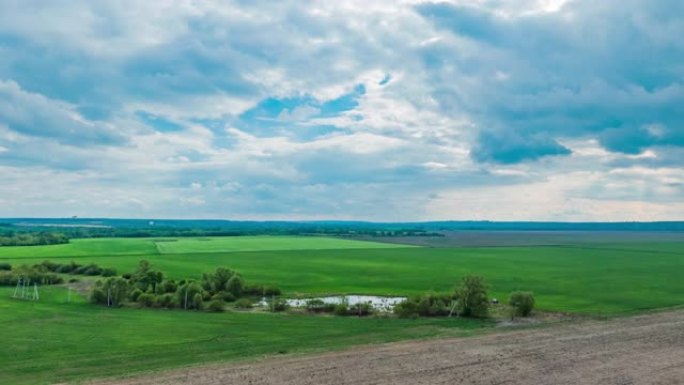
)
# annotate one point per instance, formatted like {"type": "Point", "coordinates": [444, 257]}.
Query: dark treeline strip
{"type": "Point", "coordinates": [32, 238]}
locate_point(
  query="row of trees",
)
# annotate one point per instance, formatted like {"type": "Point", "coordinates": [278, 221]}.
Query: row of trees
{"type": "Point", "coordinates": [149, 288]}
{"type": "Point", "coordinates": [32, 238]}
{"type": "Point", "coordinates": [77, 269]}
{"type": "Point", "coordinates": [41, 276]}
{"type": "Point", "coordinates": [469, 299]}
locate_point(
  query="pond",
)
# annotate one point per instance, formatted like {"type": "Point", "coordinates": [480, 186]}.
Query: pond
{"type": "Point", "coordinates": [379, 303]}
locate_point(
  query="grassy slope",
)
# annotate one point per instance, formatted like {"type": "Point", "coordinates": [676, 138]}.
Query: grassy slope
{"type": "Point", "coordinates": [53, 341]}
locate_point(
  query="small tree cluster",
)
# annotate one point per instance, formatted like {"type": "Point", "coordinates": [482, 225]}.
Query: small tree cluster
{"type": "Point", "coordinates": [471, 295]}
{"type": "Point", "coordinates": [34, 274]}
{"type": "Point", "coordinates": [427, 305]}
{"type": "Point", "coordinates": [522, 303]}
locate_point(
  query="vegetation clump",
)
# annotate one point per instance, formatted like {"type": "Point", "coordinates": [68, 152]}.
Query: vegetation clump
{"type": "Point", "coordinates": [147, 287]}
{"type": "Point", "coordinates": [76, 269]}
{"type": "Point", "coordinates": [472, 300]}
{"type": "Point", "coordinates": [31, 274]}
{"type": "Point", "coordinates": [522, 303]}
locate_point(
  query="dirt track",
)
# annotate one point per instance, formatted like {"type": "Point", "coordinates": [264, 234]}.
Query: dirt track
{"type": "Point", "coordinates": [647, 349]}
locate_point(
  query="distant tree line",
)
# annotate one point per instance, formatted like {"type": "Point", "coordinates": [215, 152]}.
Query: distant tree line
{"type": "Point", "coordinates": [32, 238]}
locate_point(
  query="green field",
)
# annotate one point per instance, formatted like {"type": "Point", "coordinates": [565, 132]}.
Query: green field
{"type": "Point", "coordinates": [53, 340]}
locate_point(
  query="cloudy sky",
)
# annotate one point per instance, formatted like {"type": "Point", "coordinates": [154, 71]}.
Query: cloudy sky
{"type": "Point", "coordinates": [370, 110]}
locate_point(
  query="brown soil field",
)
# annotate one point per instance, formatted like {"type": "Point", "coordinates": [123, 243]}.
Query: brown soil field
{"type": "Point", "coordinates": [644, 349]}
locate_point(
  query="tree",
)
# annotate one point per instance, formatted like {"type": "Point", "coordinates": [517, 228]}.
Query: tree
{"type": "Point", "coordinates": [522, 303]}
{"type": "Point", "coordinates": [186, 295]}
{"type": "Point", "coordinates": [472, 297]}
{"type": "Point", "coordinates": [235, 285]}
{"type": "Point", "coordinates": [111, 292]}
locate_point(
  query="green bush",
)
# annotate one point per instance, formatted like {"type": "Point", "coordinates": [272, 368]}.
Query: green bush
{"type": "Point", "coordinates": [315, 305]}
{"type": "Point", "coordinates": [341, 309]}
{"type": "Point", "coordinates": [108, 272]}
{"type": "Point", "coordinates": [522, 303]}
{"type": "Point", "coordinates": [135, 294]}
{"type": "Point", "coordinates": [147, 299]}
{"type": "Point", "coordinates": [406, 309]}
{"type": "Point", "coordinates": [197, 301]}
{"type": "Point", "coordinates": [186, 294]}
{"type": "Point", "coordinates": [472, 297]}
{"type": "Point", "coordinates": [166, 300]}
{"type": "Point", "coordinates": [216, 306]}
{"type": "Point", "coordinates": [223, 296]}
{"type": "Point", "coordinates": [360, 309]}
{"type": "Point", "coordinates": [5, 266]}
{"type": "Point", "coordinates": [278, 305]}
{"type": "Point", "coordinates": [235, 285]}
{"type": "Point", "coordinates": [244, 303]}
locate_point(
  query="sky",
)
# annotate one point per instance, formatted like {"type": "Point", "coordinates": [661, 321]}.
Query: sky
{"type": "Point", "coordinates": [380, 110]}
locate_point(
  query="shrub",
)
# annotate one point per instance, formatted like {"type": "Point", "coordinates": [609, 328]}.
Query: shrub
{"type": "Point", "coordinates": [146, 299]}
{"type": "Point", "coordinates": [135, 294]}
{"type": "Point", "coordinates": [186, 294]}
{"type": "Point", "coordinates": [244, 303]}
{"type": "Point", "coordinates": [235, 285]}
{"type": "Point", "coordinates": [197, 301]}
{"type": "Point", "coordinates": [223, 296]}
{"type": "Point", "coordinates": [169, 286]}
{"type": "Point", "coordinates": [427, 305]}
{"type": "Point", "coordinates": [166, 300]}
{"type": "Point", "coordinates": [5, 266]}
{"type": "Point", "coordinates": [315, 305]}
{"type": "Point", "coordinates": [98, 296]}
{"type": "Point", "coordinates": [278, 305]}
{"type": "Point", "coordinates": [522, 303]}
{"type": "Point", "coordinates": [216, 306]}
{"type": "Point", "coordinates": [360, 309]}
{"type": "Point", "coordinates": [108, 272]}
{"type": "Point", "coordinates": [341, 309]}
{"type": "Point", "coordinates": [406, 309]}
{"type": "Point", "coordinates": [472, 297]}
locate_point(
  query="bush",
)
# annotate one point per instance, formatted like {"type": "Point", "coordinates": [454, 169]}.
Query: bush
{"type": "Point", "coordinates": [522, 303]}
{"type": "Point", "coordinates": [197, 301]}
{"type": "Point", "coordinates": [169, 286]}
{"type": "Point", "coordinates": [472, 297]}
{"type": "Point", "coordinates": [244, 303]}
{"type": "Point", "coordinates": [223, 296]}
{"type": "Point", "coordinates": [5, 266]}
{"type": "Point", "coordinates": [146, 299]}
{"type": "Point", "coordinates": [341, 309]}
{"type": "Point", "coordinates": [108, 272]}
{"type": "Point", "coordinates": [406, 309]}
{"type": "Point", "coordinates": [278, 305]}
{"type": "Point", "coordinates": [216, 306]}
{"type": "Point", "coordinates": [427, 305]}
{"type": "Point", "coordinates": [315, 305]}
{"type": "Point", "coordinates": [135, 294]}
{"type": "Point", "coordinates": [360, 309]}
{"type": "Point", "coordinates": [186, 294]}
{"type": "Point", "coordinates": [166, 301]}
{"type": "Point", "coordinates": [235, 285]}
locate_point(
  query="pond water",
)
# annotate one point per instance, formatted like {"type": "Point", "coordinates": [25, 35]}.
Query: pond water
{"type": "Point", "coordinates": [378, 303]}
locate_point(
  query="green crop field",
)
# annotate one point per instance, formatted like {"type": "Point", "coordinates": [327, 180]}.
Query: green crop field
{"type": "Point", "coordinates": [53, 340]}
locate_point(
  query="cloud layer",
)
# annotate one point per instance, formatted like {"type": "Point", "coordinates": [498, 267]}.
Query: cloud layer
{"type": "Point", "coordinates": [381, 110]}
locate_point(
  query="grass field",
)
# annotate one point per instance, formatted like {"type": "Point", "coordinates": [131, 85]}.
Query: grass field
{"type": "Point", "coordinates": [53, 341]}
{"type": "Point", "coordinates": [58, 341]}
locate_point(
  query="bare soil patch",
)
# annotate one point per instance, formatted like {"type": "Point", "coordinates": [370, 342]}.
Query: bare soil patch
{"type": "Point", "coordinates": [645, 349]}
